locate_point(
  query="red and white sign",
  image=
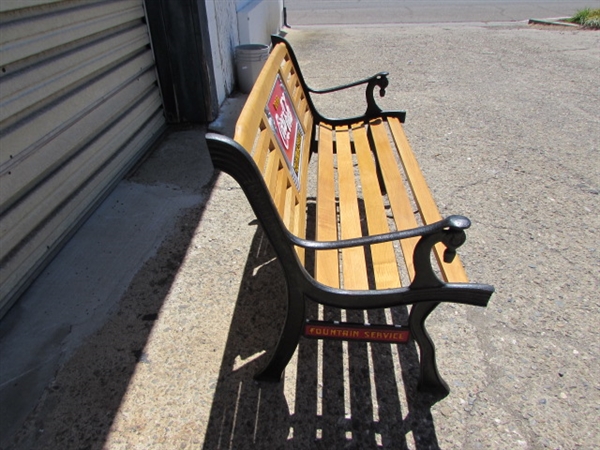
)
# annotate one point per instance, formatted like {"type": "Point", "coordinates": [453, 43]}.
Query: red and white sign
{"type": "Point", "coordinates": [287, 128]}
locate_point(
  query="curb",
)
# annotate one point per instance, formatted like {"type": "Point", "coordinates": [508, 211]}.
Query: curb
{"type": "Point", "coordinates": [556, 21]}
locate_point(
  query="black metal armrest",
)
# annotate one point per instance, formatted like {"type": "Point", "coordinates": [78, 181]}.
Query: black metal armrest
{"type": "Point", "coordinates": [455, 223]}
{"type": "Point", "coordinates": [380, 80]}
{"type": "Point", "coordinates": [449, 231]}
{"type": "Point", "coordinates": [373, 110]}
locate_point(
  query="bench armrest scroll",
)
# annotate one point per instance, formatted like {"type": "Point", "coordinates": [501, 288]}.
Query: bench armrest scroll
{"type": "Point", "coordinates": [378, 80]}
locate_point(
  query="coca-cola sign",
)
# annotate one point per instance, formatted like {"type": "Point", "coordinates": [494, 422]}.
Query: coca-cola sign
{"type": "Point", "coordinates": [286, 126]}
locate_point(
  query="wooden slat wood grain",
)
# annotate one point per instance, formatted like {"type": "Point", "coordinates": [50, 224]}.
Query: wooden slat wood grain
{"type": "Point", "coordinates": [286, 66]}
{"type": "Point", "coordinates": [326, 261]}
{"type": "Point", "coordinates": [263, 146]}
{"type": "Point", "coordinates": [300, 227]}
{"type": "Point", "coordinates": [354, 268]}
{"type": "Point", "coordinates": [384, 258]}
{"type": "Point", "coordinates": [402, 208]}
{"type": "Point", "coordinates": [247, 124]}
{"type": "Point", "coordinates": [270, 177]}
{"type": "Point", "coordinates": [281, 188]}
{"type": "Point", "coordinates": [296, 93]}
{"type": "Point", "coordinates": [300, 217]}
{"type": "Point", "coordinates": [455, 271]}
{"type": "Point", "coordinates": [291, 81]}
{"type": "Point", "coordinates": [305, 157]}
{"type": "Point", "coordinates": [289, 208]}
{"type": "Point", "coordinates": [305, 115]}
{"type": "Point", "coordinates": [290, 202]}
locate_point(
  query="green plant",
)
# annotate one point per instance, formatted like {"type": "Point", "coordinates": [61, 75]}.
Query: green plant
{"type": "Point", "coordinates": [587, 17]}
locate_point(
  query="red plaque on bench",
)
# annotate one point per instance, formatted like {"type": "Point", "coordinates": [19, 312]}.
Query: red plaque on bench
{"type": "Point", "coordinates": [286, 126]}
{"type": "Point", "coordinates": [356, 332]}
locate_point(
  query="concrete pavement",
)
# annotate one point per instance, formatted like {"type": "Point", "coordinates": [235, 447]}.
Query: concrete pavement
{"type": "Point", "coordinates": [503, 120]}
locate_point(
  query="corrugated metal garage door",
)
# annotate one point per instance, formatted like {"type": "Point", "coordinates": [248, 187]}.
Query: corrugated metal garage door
{"type": "Point", "coordinates": [79, 104]}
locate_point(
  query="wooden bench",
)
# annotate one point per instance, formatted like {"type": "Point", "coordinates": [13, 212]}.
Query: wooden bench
{"type": "Point", "coordinates": [375, 222]}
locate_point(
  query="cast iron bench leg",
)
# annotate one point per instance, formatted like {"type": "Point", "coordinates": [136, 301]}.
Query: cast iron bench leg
{"type": "Point", "coordinates": [288, 341]}
{"type": "Point", "coordinates": [429, 377]}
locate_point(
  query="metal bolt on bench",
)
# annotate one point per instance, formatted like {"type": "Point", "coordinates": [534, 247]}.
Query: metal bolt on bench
{"type": "Point", "coordinates": [371, 249]}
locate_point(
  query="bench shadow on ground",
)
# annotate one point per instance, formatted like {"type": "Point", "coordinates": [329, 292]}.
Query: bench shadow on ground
{"type": "Point", "coordinates": [374, 405]}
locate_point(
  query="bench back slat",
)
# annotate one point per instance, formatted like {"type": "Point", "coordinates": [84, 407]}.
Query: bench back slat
{"type": "Point", "coordinates": [252, 114]}
{"type": "Point", "coordinates": [262, 149]}
{"type": "Point", "coordinates": [254, 132]}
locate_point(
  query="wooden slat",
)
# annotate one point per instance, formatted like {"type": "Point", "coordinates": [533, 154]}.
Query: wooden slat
{"type": "Point", "coordinates": [304, 114]}
{"type": "Point", "coordinates": [270, 177]}
{"type": "Point", "coordinates": [281, 189]}
{"type": "Point", "coordinates": [277, 174]}
{"type": "Point", "coordinates": [326, 262]}
{"type": "Point", "coordinates": [247, 124]}
{"type": "Point", "coordinates": [286, 66]}
{"type": "Point", "coordinates": [300, 226]}
{"type": "Point", "coordinates": [397, 195]}
{"type": "Point", "coordinates": [354, 267]}
{"type": "Point", "coordinates": [455, 271]}
{"type": "Point", "coordinates": [262, 149]}
{"type": "Point", "coordinates": [290, 201]}
{"type": "Point", "coordinates": [306, 148]}
{"type": "Point", "coordinates": [296, 93]}
{"type": "Point", "coordinates": [289, 208]}
{"type": "Point", "coordinates": [307, 122]}
{"type": "Point", "coordinates": [292, 80]}
{"type": "Point", "coordinates": [384, 258]}
{"type": "Point", "coordinates": [300, 217]}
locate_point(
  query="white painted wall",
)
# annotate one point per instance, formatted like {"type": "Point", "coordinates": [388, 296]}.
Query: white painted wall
{"type": "Point", "coordinates": [258, 19]}
{"type": "Point", "coordinates": [222, 27]}
{"type": "Point", "coordinates": [225, 34]}
{"type": "Point", "coordinates": [239, 4]}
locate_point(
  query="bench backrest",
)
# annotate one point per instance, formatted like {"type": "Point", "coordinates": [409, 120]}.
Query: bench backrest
{"type": "Point", "coordinates": [276, 127]}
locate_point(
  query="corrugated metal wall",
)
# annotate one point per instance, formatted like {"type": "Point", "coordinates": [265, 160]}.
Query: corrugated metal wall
{"type": "Point", "coordinates": [79, 104]}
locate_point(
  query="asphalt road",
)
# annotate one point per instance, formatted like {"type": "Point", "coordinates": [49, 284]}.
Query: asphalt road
{"type": "Point", "coordinates": [346, 12]}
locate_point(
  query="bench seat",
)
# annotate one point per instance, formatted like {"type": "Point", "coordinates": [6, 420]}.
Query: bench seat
{"type": "Point", "coordinates": [369, 184]}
